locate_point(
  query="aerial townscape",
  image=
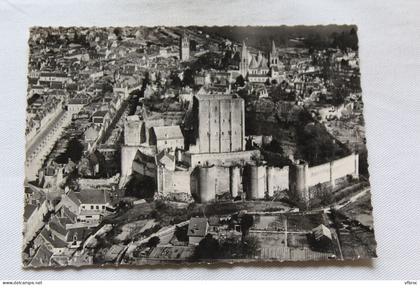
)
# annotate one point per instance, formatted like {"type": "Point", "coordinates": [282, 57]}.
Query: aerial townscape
{"type": "Point", "coordinates": [177, 145]}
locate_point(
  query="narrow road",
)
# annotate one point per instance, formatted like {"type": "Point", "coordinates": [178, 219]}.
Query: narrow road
{"type": "Point", "coordinates": [354, 198]}
{"type": "Point", "coordinates": [33, 145]}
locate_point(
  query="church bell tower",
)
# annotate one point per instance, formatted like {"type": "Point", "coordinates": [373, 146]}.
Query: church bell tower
{"type": "Point", "coordinates": [243, 65]}
{"type": "Point", "coordinates": [184, 48]}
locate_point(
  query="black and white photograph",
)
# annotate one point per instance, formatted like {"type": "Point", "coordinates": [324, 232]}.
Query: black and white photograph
{"type": "Point", "coordinates": [167, 141]}
{"type": "Point", "coordinates": [195, 144]}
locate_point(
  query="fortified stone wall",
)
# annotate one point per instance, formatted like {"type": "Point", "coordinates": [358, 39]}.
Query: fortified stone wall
{"type": "Point", "coordinates": [127, 156]}
{"type": "Point", "coordinates": [173, 181]}
{"type": "Point", "coordinates": [132, 131]}
{"type": "Point", "coordinates": [302, 176]}
{"type": "Point", "coordinates": [344, 166]}
{"type": "Point", "coordinates": [319, 174]}
{"type": "Point", "coordinates": [258, 182]}
{"type": "Point", "coordinates": [277, 179]}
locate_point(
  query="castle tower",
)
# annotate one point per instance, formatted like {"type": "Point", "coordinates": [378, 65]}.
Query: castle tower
{"type": "Point", "coordinates": [274, 58]}
{"type": "Point", "coordinates": [243, 65]}
{"type": "Point", "coordinates": [219, 123]}
{"type": "Point", "coordinates": [184, 48]}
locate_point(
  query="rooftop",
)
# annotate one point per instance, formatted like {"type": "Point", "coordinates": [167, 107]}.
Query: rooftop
{"type": "Point", "coordinates": [203, 97]}
{"type": "Point", "coordinates": [168, 132]}
{"type": "Point", "coordinates": [197, 227]}
{"type": "Point", "coordinates": [90, 197]}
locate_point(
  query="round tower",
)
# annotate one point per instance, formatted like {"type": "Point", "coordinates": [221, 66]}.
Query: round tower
{"type": "Point", "coordinates": [235, 180]}
{"type": "Point", "coordinates": [256, 181]}
{"type": "Point", "coordinates": [299, 180]}
{"type": "Point", "coordinates": [207, 184]}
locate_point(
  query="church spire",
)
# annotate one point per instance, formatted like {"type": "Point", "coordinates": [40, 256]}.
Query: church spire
{"type": "Point", "coordinates": [244, 49]}
{"type": "Point", "coordinates": [273, 47]}
{"type": "Point", "coordinates": [273, 55]}
{"type": "Point", "coordinates": [243, 65]}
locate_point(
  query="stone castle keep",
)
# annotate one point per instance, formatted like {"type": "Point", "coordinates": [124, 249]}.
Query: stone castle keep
{"type": "Point", "coordinates": [215, 163]}
{"type": "Point", "coordinates": [220, 124]}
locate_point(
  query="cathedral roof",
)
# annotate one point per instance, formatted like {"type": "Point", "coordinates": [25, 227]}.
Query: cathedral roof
{"type": "Point", "coordinates": [253, 63]}
{"type": "Point", "coordinates": [259, 57]}
{"type": "Point", "coordinates": [263, 63]}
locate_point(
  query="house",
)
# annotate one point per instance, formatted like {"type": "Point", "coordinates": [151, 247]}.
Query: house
{"type": "Point", "coordinates": [41, 257]}
{"type": "Point", "coordinates": [75, 236]}
{"type": "Point", "coordinates": [34, 219]}
{"type": "Point", "coordinates": [53, 77]}
{"type": "Point", "coordinates": [144, 164]}
{"type": "Point", "coordinates": [76, 104]}
{"type": "Point", "coordinates": [167, 137]}
{"type": "Point", "coordinates": [322, 235]}
{"type": "Point", "coordinates": [90, 206]}
{"type": "Point", "coordinates": [94, 204]}
{"type": "Point", "coordinates": [166, 160]}
{"type": "Point", "coordinates": [52, 242]}
{"type": "Point", "coordinates": [203, 78]}
{"type": "Point", "coordinates": [29, 214]}
{"type": "Point", "coordinates": [99, 117]}
{"type": "Point", "coordinates": [197, 230]}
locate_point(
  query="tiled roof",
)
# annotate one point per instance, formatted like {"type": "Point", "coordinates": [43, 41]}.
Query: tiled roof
{"type": "Point", "coordinates": [93, 196]}
{"type": "Point", "coordinates": [168, 132]}
{"type": "Point", "coordinates": [41, 257]}
{"type": "Point", "coordinates": [321, 231]}
{"type": "Point", "coordinates": [197, 227]}
{"type": "Point", "coordinates": [29, 209]}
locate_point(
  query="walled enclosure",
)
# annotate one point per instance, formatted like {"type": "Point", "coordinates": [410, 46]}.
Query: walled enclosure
{"type": "Point", "coordinates": [302, 176]}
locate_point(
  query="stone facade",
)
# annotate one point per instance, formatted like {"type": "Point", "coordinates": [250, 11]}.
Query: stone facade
{"type": "Point", "coordinates": [220, 124]}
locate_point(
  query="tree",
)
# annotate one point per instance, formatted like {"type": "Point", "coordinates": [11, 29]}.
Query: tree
{"type": "Point", "coordinates": [226, 60]}
{"type": "Point", "coordinates": [240, 81]}
{"type": "Point", "coordinates": [324, 194]}
{"type": "Point", "coordinates": [118, 32]}
{"type": "Point", "coordinates": [188, 78]}
{"type": "Point", "coordinates": [247, 221]}
{"type": "Point", "coordinates": [279, 93]}
{"type": "Point", "coordinates": [250, 247]}
{"type": "Point", "coordinates": [153, 241]}
{"type": "Point", "coordinates": [181, 233]}
{"type": "Point", "coordinates": [208, 248]}
{"type": "Point", "coordinates": [175, 80]}
{"type": "Point", "coordinates": [146, 81]}
{"type": "Point", "coordinates": [274, 146]}
{"type": "Point", "coordinates": [316, 145]}
{"type": "Point", "coordinates": [159, 79]}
